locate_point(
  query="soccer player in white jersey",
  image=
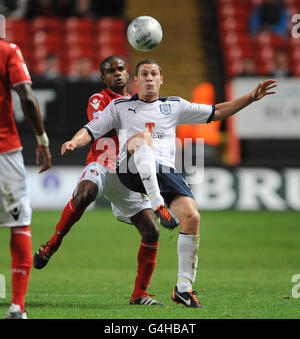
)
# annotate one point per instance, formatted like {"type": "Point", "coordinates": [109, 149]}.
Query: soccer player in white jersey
{"type": "Point", "coordinates": [146, 126]}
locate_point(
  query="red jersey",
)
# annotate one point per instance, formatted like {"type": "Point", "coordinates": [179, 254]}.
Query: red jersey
{"type": "Point", "coordinates": [13, 71]}
{"type": "Point", "coordinates": [105, 149]}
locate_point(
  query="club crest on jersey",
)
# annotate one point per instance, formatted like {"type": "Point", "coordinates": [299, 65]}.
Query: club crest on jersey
{"type": "Point", "coordinates": [95, 172]}
{"type": "Point", "coordinates": [165, 108]}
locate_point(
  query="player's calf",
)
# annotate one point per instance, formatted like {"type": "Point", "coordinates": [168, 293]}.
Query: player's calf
{"type": "Point", "coordinates": [70, 215]}
{"type": "Point", "coordinates": [20, 248]}
{"type": "Point", "coordinates": [145, 222]}
{"type": "Point", "coordinates": [139, 139]}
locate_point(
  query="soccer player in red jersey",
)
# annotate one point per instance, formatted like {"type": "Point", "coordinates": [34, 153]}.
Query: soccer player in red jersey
{"type": "Point", "coordinates": [15, 210]}
{"type": "Point", "coordinates": [99, 177]}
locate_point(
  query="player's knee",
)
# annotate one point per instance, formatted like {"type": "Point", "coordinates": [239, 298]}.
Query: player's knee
{"type": "Point", "coordinates": [84, 197]}
{"type": "Point", "coordinates": [146, 225]}
{"type": "Point", "coordinates": [144, 135]}
{"type": "Point", "coordinates": [151, 234]}
{"type": "Point", "coordinates": [194, 219]}
{"type": "Point", "coordinates": [192, 222]}
{"type": "Point", "coordinates": [139, 139]}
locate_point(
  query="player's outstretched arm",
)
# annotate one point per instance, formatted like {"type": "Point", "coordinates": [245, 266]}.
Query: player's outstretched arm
{"type": "Point", "coordinates": [31, 110]}
{"type": "Point", "coordinates": [80, 139]}
{"type": "Point", "coordinates": [226, 109]}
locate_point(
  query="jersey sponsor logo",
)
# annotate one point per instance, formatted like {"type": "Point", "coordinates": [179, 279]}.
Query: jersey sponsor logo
{"type": "Point", "coordinates": [165, 108]}
{"type": "Point", "coordinates": [158, 135]}
{"type": "Point", "coordinates": [132, 109]}
{"type": "Point", "coordinates": [149, 126]}
{"type": "Point", "coordinates": [95, 103]}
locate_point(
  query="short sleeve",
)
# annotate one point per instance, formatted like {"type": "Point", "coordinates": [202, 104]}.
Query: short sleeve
{"type": "Point", "coordinates": [17, 69]}
{"type": "Point", "coordinates": [103, 122]}
{"type": "Point", "coordinates": [97, 103]}
{"type": "Point", "coordinates": [192, 113]}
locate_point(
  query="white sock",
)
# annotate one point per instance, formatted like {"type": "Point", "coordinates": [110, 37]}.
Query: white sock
{"type": "Point", "coordinates": [145, 164]}
{"type": "Point", "coordinates": [187, 250]}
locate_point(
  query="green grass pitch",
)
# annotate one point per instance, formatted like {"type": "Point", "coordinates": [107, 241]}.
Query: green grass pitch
{"type": "Point", "coordinates": [246, 263]}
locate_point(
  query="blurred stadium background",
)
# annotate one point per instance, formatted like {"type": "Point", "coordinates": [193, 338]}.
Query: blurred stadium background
{"type": "Point", "coordinates": [212, 50]}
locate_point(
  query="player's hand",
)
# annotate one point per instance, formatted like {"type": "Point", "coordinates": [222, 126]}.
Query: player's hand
{"type": "Point", "coordinates": [263, 89]}
{"type": "Point", "coordinates": [68, 147]}
{"type": "Point", "coordinates": [43, 155]}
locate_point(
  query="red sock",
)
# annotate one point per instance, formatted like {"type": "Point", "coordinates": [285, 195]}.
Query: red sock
{"type": "Point", "coordinates": [20, 249]}
{"type": "Point", "coordinates": [69, 217]}
{"type": "Point", "coordinates": [146, 263]}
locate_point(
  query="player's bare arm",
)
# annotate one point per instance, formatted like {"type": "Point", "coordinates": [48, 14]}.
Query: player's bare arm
{"type": "Point", "coordinates": [80, 139]}
{"type": "Point", "coordinates": [32, 113]}
{"type": "Point", "coordinates": [226, 109]}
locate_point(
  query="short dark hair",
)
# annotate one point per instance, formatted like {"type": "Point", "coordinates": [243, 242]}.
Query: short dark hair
{"type": "Point", "coordinates": [147, 62]}
{"type": "Point", "coordinates": [108, 59]}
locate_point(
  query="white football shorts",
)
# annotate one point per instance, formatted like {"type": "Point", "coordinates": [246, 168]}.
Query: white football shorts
{"type": "Point", "coordinates": [124, 203]}
{"type": "Point", "coordinates": [15, 207]}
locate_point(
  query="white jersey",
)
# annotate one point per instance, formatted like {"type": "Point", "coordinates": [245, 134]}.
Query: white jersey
{"type": "Point", "coordinates": [129, 116]}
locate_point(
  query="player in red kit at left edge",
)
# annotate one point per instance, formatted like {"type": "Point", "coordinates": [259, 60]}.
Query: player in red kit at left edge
{"type": "Point", "coordinates": [15, 210]}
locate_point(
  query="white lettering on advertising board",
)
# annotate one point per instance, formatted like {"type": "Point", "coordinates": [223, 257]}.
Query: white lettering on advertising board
{"type": "Point", "coordinates": [276, 116]}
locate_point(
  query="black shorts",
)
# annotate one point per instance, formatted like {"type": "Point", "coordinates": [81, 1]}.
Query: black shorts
{"type": "Point", "coordinates": [171, 183]}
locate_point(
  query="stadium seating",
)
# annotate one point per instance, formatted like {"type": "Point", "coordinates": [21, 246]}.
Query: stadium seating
{"type": "Point", "coordinates": [237, 43]}
{"type": "Point", "coordinates": [115, 25]}
{"type": "Point", "coordinates": [17, 32]}
{"type": "Point", "coordinates": [80, 25]}
{"type": "Point", "coordinates": [69, 39]}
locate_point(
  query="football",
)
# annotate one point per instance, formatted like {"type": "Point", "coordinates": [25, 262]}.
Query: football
{"type": "Point", "coordinates": [144, 33]}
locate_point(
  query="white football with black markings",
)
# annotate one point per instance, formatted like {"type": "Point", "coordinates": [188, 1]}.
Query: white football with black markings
{"type": "Point", "coordinates": [144, 33]}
